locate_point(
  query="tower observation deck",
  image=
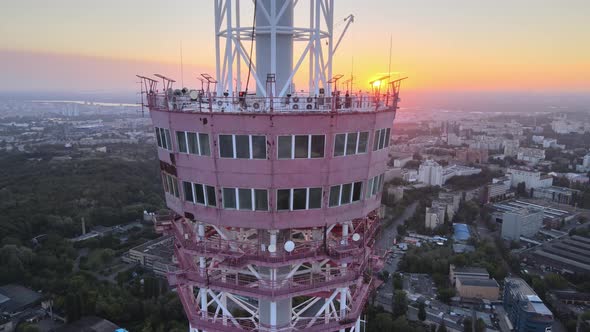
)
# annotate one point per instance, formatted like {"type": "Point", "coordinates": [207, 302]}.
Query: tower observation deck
{"type": "Point", "coordinates": [274, 193]}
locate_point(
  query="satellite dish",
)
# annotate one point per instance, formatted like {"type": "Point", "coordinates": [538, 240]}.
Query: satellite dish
{"type": "Point", "coordinates": [356, 237]}
{"type": "Point", "coordinates": [194, 94]}
{"type": "Point", "coordinates": [289, 246]}
{"type": "Point", "coordinates": [272, 248]}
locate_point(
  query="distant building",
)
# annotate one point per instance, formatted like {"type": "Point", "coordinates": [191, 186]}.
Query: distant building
{"type": "Point", "coordinates": [458, 170]}
{"type": "Point", "coordinates": [156, 255]}
{"type": "Point", "coordinates": [511, 147]}
{"type": "Point", "coordinates": [567, 254]}
{"type": "Point", "coordinates": [401, 161]}
{"type": "Point", "coordinates": [530, 155]}
{"type": "Point", "coordinates": [478, 288]}
{"type": "Point", "coordinates": [524, 222]}
{"type": "Point", "coordinates": [16, 303]}
{"type": "Point", "coordinates": [91, 324]}
{"type": "Point", "coordinates": [524, 308]}
{"type": "Point", "coordinates": [469, 155]}
{"type": "Point", "coordinates": [15, 299]}
{"type": "Point", "coordinates": [461, 232]}
{"type": "Point", "coordinates": [431, 173]}
{"type": "Point", "coordinates": [531, 178]}
{"type": "Point", "coordinates": [470, 272]}
{"type": "Point", "coordinates": [434, 217]}
{"type": "Point", "coordinates": [556, 194]}
{"type": "Point", "coordinates": [496, 191]}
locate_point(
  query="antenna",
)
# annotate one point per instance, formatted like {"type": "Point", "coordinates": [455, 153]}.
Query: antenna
{"type": "Point", "coordinates": [181, 66]}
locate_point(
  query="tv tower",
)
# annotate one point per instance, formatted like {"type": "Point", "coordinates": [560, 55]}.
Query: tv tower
{"type": "Point", "coordinates": [274, 193]}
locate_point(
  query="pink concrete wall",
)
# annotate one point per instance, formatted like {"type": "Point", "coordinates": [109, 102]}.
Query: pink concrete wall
{"type": "Point", "coordinates": [272, 173]}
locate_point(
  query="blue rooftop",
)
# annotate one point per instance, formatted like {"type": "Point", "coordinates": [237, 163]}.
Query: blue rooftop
{"type": "Point", "coordinates": [461, 232]}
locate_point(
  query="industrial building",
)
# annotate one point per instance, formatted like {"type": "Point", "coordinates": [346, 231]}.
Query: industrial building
{"type": "Point", "coordinates": [569, 254]}
{"type": "Point", "coordinates": [475, 288]}
{"type": "Point", "coordinates": [524, 308]}
{"type": "Point", "coordinates": [531, 155]}
{"type": "Point", "coordinates": [531, 178]}
{"type": "Point", "coordinates": [474, 283]}
{"type": "Point", "coordinates": [275, 190]}
{"type": "Point", "coordinates": [552, 217]}
{"type": "Point", "coordinates": [155, 255]}
{"type": "Point", "coordinates": [524, 222]}
{"type": "Point", "coordinates": [556, 194]}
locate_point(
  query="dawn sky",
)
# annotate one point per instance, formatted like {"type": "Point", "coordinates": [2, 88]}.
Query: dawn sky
{"type": "Point", "coordinates": [528, 45]}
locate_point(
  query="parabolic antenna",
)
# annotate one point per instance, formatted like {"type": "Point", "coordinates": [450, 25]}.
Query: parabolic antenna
{"type": "Point", "coordinates": [272, 248]}
{"type": "Point", "coordinates": [289, 246]}
{"type": "Point", "coordinates": [356, 237]}
{"type": "Point", "coordinates": [194, 94]}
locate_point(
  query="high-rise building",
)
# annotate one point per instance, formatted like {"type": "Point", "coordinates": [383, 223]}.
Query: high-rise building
{"type": "Point", "coordinates": [524, 308]}
{"type": "Point", "coordinates": [275, 192]}
{"type": "Point", "coordinates": [524, 222]}
{"type": "Point", "coordinates": [431, 173]}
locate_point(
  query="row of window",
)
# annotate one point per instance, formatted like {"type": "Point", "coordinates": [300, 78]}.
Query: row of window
{"type": "Point", "coordinates": [163, 138]}
{"type": "Point", "coordinates": [199, 193]}
{"type": "Point", "coordinates": [257, 199]}
{"type": "Point", "coordinates": [345, 193]}
{"type": "Point", "coordinates": [193, 143]}
{"type": "Point", "coordinates": [289, 147]}
{"type": "Point", "coordinates": [170, 183]}
{"type": "Point", "coordinates": [381, 139]}
{"type": "Point", "coordinates": [375, 185]}
{"type": "Point", "coordinates": [301, 146]}
{"type": "Point", "coordinates": [351, 143]}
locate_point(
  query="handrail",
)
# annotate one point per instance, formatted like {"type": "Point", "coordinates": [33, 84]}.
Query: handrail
{"type": "Point", "coordinates": [257, 104]}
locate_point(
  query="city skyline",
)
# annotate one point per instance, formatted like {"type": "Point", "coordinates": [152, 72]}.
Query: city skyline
{"type": "Point", "coordinates": [457, 46]}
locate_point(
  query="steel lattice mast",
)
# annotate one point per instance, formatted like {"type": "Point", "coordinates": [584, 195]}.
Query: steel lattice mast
{"type": "Point", "coordinates": [275, 195]}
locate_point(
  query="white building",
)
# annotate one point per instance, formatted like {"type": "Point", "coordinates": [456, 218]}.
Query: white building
{"type": "Point", "coordinates": [530, 155]}
{"type": "Point", "coordinates": [585, 166]}
{"type": "Point", "coordinates": [531, 178]}
{"type": "Point", "coordinates": [538, 139]}
{"type": "Point", "coordinates": [524, 222]}
{"type": "Point", "coordinates": [434, 217]}
{"type": "Point", "coordinates": [401, 161]}
{"type": "Point", "coordinates": [431, 173]}
{"type": "Point", "coordinates": [458, 170]}
{"type": "Point", "coordinates": [511, 147]}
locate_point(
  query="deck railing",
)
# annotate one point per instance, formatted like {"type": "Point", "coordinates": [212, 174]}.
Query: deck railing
{"type": "Point", "coordinates": [255, 104]}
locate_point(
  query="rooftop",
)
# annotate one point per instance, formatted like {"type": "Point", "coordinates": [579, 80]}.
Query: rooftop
{"type": "Point", "coordinates": [471, 270]}
{"type": "Point", "coordinates": [161, 247]}
{"type": "Point", "coordinates": [525, 293]}
{"type": "Point", "coordinates": [90, 324]}
{"type": "Point", "coordinates": [15, 298]}
{"type": "Point", "coordinates": [480, 282]}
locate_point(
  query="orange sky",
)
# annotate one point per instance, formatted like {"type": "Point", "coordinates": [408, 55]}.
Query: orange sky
{"type": "Point", "coordinates": [531, 45]}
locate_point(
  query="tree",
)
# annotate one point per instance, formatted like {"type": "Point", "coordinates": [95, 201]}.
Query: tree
{"type": "Point", "coordinates": [382, 322]}
{"type": "Point", "coordinates": [442, 327]}
{"type": "Point", "coordinates": [480, 325]}
{"type": "Point", "coordinates": [399, 304]}
{"type": "Point", "coordinates": [422, 311]}
{"type": "Point", "coordinates": [467, 325]}
{"type": "Point", "coordinates": [397, 281]}
{"type": "Point", "coordinates": [401, 324]}
{"type": "Point", "coordinates": [445, 294]}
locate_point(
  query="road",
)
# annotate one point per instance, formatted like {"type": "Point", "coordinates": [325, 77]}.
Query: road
{"type": "Point", "coordinates": [384, 242]}
{"type": "Point", "coordinates": [387, 235]}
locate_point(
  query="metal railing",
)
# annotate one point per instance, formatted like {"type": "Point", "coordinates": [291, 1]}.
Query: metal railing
{"type": "Point", "coordinates": [213, 322]}
{"type": "Point", "coordinates": [252, 286]}
{"type": "Point", "coordinates": [255, 104]}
